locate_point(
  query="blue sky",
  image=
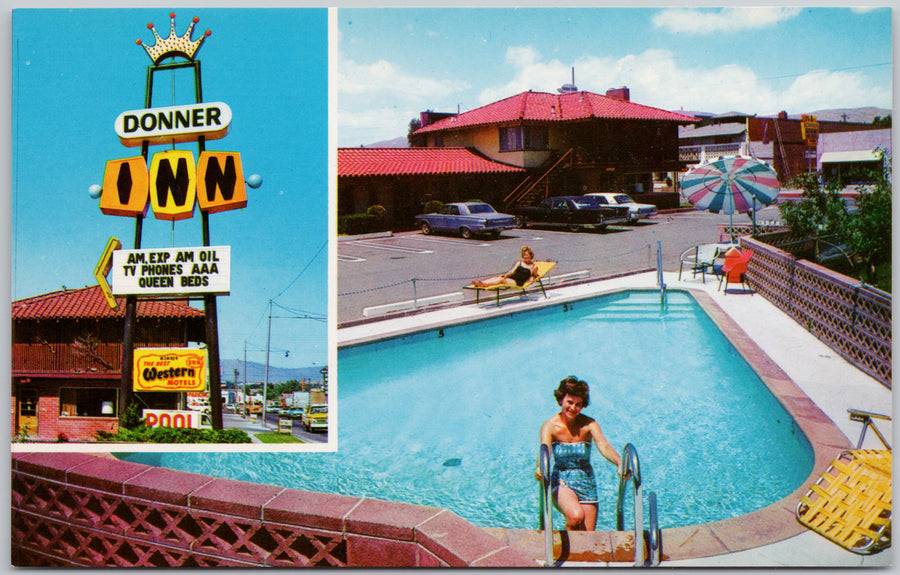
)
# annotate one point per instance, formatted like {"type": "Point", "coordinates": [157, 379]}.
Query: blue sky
{"type": "Point", "coordinates": [395, 63]}
{"type": "Point", "coordinates": [74, 71]}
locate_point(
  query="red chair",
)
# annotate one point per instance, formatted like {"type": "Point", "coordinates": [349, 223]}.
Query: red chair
{"type": "Point", "coordinates": [735, 271]}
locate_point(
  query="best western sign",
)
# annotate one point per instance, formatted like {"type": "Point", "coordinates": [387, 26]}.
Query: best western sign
{"type": "Point", "coordinates": [172, 271]}
{"type": "Point", "coordinates": [172, 184]}
{"type": "Point", "coordinates": [169, 369]}
{"type": "Point", "coordinates": [173, 124]}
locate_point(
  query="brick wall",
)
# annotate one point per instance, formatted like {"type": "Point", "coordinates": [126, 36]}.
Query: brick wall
{"type": "Point", "coordinates": [81, 509]}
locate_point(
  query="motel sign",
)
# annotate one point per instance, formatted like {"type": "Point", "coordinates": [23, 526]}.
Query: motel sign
{"type": "Point", "coordinates": [173, 184]}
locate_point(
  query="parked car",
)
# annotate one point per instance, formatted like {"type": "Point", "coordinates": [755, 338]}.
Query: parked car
{"type": "Point", "coordinates": [636, 211]}
{"type": "Point", "coordinates": [315, 417]}
{"type": "Point", "coordinates": [466, 219]}
{"type": "Point", "coordinates": [295, 413]}
{"type": "Point", "coordinates": [573, 212]}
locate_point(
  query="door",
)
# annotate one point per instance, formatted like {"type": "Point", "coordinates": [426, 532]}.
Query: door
{"type": "Point", "coordinates": [27, 411]}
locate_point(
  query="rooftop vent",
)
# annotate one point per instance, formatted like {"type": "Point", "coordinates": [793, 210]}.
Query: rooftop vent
{"type": "Point", "coordinates": [569, 88]}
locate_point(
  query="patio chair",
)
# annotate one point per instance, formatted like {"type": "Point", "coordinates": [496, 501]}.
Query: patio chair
{"type": "Point", "coordinates": [734, 270]}
{"type": "Point", "coordinates": [701, 258]}
{"type": "Point", "coordinates": [543, 268]}
{"type": "Point", "coordinates": [850, 503]}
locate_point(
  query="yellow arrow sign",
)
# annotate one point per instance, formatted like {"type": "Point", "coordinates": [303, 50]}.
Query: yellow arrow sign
{"type": "Point", "coordinates": [102, 270]}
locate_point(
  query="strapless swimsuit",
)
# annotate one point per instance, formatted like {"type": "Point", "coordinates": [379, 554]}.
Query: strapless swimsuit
{"type": "Point", "coordinates": [572, 468]}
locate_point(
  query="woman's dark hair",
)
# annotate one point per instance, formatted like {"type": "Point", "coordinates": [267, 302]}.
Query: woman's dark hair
{"type": "Point", "coordinates": [574, 387]}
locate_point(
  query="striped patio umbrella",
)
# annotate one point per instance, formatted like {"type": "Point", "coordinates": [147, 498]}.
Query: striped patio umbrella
{"type": "Point", "coordinates": [731, 184]}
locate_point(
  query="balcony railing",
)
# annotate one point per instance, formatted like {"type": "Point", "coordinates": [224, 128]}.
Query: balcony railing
{"type": "Point", "coordinates": [66, 358]}
{"type": "Point", "coordinates": [693, 154]}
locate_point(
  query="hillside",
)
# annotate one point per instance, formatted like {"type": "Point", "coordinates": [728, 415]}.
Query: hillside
{"type": "Point", "coordinates": [256, 372]}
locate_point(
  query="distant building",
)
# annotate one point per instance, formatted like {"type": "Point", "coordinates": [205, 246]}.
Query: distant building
{"type": "Point", "coordinates": [780, 141]}
{"type": "Point", "coordinates": [67, 358]}
{"type": "Point", "coordinates": [849, 157]}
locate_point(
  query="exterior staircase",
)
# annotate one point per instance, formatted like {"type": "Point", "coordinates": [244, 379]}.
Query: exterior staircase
{"type": "Point", "coordinates": [538, 184]}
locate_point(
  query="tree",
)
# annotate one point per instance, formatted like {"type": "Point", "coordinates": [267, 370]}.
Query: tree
{"type": "Point", "coordinates": [868, 232]}
{"type": "Point", "coordinates": [882, 122]}
{"type": "Point", "coordinates": [414, 141]}
{"type": "Point", "coordinates": [820, 209]}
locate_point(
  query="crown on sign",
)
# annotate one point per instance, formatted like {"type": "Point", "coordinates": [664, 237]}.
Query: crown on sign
{"type": "Point", "coordinates": [174, 45]}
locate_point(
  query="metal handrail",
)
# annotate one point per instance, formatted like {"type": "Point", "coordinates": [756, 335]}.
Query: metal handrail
{"type": "Point", "coordinates": [631, 463]}
{"type": "Point", "coordinates": [546, 512]}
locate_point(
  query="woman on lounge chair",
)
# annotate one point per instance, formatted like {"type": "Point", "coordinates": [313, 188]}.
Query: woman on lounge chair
{"type": "Point", "coordinates": [568, 435]}
{"type": "Point", "coordinates": [524, 270]}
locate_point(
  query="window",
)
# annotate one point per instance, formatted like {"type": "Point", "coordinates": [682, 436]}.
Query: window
{"type": "Point", "coordinates": [515, 138]}
{"type": "Point", "coordinates": [439, 140]}
{"type": "Point", "coordinates": [88, 402]}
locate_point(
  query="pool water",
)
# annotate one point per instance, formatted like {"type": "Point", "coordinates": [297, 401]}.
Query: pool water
{"type": "Point", "coordinates": [450, 417]}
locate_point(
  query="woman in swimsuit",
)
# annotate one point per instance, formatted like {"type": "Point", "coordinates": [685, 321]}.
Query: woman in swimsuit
{"type": "Point", "coordinates": [569, 434]}
{"type": "Point", "coordinates": [524, 270]}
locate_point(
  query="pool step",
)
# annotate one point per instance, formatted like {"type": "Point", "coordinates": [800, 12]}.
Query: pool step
{"type": "Point", "coordinates": [643, 310]}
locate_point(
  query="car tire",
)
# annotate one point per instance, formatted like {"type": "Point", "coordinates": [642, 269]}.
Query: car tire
{"type": "Point", "coordinates": [573, 227]}
{"type": "Point", "coordinates": [495, 234]}
{"type": "Point", "coordinates": [466, 233]}
{"type": "Point", "coordinates": [520, 222]}
{"type": "Point", "coordinates": [426, 229]}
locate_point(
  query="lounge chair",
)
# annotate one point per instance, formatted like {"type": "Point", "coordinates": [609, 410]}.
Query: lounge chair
{"type": "Point", "coordinates": [543, 268]}
{"type": "Point", "coordinates": [734, 270]}
{"type": "Point", "coordinates": [850, 503]}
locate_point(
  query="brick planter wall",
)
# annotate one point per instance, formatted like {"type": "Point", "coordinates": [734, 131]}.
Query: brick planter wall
{"type": "Point", "coordinates": [854, 322]}
{"type": "Point", "coordinates": [82, 509]}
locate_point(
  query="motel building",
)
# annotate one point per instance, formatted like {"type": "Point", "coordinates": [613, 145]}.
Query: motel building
{"type": "Point", "coordinates": [67, 355]}
{"type": "Point", "coordinates": [517, 151]}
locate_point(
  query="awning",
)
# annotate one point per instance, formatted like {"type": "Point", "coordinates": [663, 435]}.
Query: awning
{"type": "Point", "coordinates": [853, 156]}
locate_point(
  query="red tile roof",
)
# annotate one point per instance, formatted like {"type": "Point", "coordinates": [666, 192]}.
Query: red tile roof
{"type": "Point", "coordinates": [89, 303]}
{"type": "Point", "coordinates": [544, 107]}
{"type": "Point", "coordinates": [415, 161]}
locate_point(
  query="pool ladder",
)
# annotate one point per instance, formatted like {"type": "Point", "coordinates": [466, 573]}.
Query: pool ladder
{"type": "Point", "coordinates": [630, 463]}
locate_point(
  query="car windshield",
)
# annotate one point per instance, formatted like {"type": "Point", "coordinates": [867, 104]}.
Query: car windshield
{"type": "Point", "coordinates": [622, 199]}
{"type": "Point", "coordinates": [586, 202]}
{"type": "Point", "coordinates": [480, 209]}
{"type": "Point", "coordinates": [322, 409]}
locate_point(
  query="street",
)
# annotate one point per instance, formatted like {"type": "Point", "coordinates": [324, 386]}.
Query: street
{"type": "Point", "coordinates": [409, 265]}
{"type": "Point", "coordinates": [234, 421]}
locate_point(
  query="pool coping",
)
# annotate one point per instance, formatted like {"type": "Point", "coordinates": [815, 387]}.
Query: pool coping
{"type": "Point", "coordinates": [773, 523]}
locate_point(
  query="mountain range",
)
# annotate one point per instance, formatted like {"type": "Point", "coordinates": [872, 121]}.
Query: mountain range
{"type": "Point", "coordinates": [256, 372]}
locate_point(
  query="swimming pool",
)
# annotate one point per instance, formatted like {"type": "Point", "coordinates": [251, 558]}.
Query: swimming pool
{"type": "Point", "coordinates": [449, 417]}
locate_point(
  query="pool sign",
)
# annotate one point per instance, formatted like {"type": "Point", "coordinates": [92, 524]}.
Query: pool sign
{"type": "Point", "coordinates": [174, 124]}
{"type": "Point", "coordinates": [172, 418]}
{"type": "Point", "coordinates": [169, 369]}
{"type": "Point", "coordinates": [172, 271]}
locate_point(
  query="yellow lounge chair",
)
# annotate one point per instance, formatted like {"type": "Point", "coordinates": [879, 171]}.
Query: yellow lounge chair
{"type": "Point", "coordinates": [543, 268]}
{"type": "Point", "coordinates": [850, 503]}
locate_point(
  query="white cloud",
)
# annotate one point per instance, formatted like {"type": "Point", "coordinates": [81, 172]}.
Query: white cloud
{"type": "Point", "coordinates": [376, 101]}
{"type": "Point", "coordinates": [383, 77]}
{"type": "Point", "coordinates": [656, 78]}
{"type": "Point", "coordinates": [710, 21]}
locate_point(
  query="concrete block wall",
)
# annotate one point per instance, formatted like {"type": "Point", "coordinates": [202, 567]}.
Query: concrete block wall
{"type": "Point", "coordinates": [85, 509]}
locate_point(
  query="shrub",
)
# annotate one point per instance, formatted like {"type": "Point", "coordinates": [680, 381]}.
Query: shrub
{"type": "Point", "coordinates": [355, 224]}
{"type": "Point", "coordinates": [377, 211]}
{"type": "Point", "coordinates": [174, 435]}
{"type": "Point", "coordinates": [433, 206]}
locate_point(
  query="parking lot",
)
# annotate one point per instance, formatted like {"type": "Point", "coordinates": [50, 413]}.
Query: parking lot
{"type": "Point", "coordinates": [377, 270]}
